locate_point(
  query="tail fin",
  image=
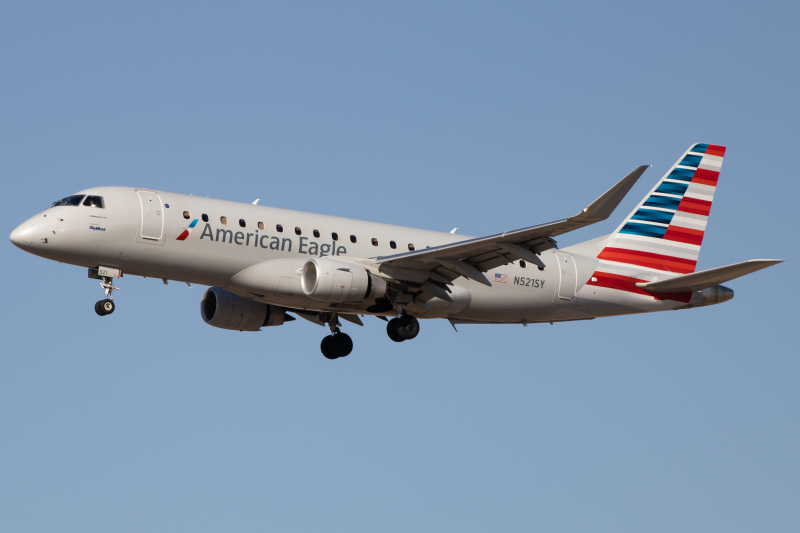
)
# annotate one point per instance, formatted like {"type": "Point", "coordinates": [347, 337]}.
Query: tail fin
{"type": "Point", "coordinates": [665, 231]}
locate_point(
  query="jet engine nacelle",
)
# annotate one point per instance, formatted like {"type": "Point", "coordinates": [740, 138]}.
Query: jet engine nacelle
{"type": "Point", "coordinates": [327, 280]}
{"type": "Point", "coordinates": [223, 309]}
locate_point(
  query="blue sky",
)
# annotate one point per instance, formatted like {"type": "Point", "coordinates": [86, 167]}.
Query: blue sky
{"type": "Point", "coordinates": [434, 115]}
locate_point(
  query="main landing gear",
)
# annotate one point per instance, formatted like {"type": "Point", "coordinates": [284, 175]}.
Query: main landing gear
{"type": "Point", "coordinates": [337, 344]}
{"type": "Point", "coordinates": [106, 306]}
{"type": "Point", "coordinates": [403, 328]}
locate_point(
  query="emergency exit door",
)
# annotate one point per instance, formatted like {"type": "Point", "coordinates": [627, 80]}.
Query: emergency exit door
{"type": "Point", "coordinates": [152, 215]}
{"type": "Point", "coordinates": [568, 275]}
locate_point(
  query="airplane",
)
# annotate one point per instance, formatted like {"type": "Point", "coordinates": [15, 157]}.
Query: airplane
{"type": "Point", "coordinates": [265, 264]}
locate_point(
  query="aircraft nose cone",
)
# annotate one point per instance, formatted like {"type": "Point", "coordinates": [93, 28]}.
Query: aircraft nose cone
{"type": "Point", "coordinates": [22, 236]}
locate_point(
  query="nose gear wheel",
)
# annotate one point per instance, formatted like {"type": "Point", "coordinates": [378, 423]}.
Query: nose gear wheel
{"type": "Point", "coordinates": [106, 307]}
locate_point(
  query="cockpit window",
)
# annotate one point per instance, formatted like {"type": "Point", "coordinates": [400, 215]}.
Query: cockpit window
{"type": "Point", "coordinates": [94, 201]}
{"type": "Point", "coordinates": [75, 199]}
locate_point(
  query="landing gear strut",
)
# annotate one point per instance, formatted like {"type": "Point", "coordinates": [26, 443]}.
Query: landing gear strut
{"type": "Point", "coordinates": [337, 344]}
{"type": "Point", "coordinates": [106, 306]}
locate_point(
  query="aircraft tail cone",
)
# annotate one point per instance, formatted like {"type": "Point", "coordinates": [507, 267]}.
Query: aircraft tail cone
{"type": "Point", "coordinates": [711, 296]}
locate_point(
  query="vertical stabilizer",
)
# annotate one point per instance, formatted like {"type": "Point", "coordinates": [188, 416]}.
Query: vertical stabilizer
{"type": "Point", "coordinates": [662, 236]}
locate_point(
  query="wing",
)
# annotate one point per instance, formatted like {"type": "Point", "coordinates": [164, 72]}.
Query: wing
{"type": "Point", "coordinates": [472, 257]}
{"type": "Point", "coordinates": [697, 281]}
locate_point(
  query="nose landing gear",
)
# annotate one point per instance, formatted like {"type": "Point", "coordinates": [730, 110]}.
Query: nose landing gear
{"type": "Point", "coordinates": [106, 306]}
{"type": "Point", "coordinates": [337, 344]}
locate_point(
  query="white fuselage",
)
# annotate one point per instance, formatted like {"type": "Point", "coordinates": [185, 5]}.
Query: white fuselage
{"type": "Point", "coordinates": [261, 257]}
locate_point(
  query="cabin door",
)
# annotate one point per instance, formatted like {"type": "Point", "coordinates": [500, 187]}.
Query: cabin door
{"type": "Point", "coordinates": [152, 215]}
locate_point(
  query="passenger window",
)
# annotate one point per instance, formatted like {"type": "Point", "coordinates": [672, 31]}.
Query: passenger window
{"type": "Point", "coordinates": [335, 236]}
{"type": "Point", "coordinates": [353, 239]}
{"type": "Point", "coordinates": [186, 215]}
{"type": "Point", "coordinates": [224, 220]}
{"type": "Point", "coordinates": [411, 247]}
{"type": "Point", "coordinates": [374, 242]}
{"type": "Point", "coordinates": [298, 231]}
{"type": "Point", "coordinates": [205, 217]}
{"type": "Point", "coordinates": [242, 223]}
{"type": "Point", "coordinates": [69, 200]}
{"type": "Point", "coordinates": [279, 228]}
{"type": "Point", "coordinates": [316, 233]}
{"type": "Point", "coordinates": [261, 225]}
{"type": "Point", "coordinates": [94, 201]}
{"type": "Point", "coordinates": [392, 245]}
{"type": "Point", "coordinates": [522, 263]}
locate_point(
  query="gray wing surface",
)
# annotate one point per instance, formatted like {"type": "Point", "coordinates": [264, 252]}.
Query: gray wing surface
{"type": "Point", "coordinates": [470, 258]}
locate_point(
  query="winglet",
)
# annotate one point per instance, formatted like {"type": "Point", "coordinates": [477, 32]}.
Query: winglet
{"type": "Point", "coordinates": [457, 256]}
{"type": "Point", "coordinates": [602, 208]}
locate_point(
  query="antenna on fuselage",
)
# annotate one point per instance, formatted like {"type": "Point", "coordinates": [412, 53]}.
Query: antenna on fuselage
{"type": "Point", "coordinates": [256, 202]}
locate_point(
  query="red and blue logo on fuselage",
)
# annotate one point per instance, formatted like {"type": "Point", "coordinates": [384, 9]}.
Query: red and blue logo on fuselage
{"type": "Point", "coordinates": [186, 231]}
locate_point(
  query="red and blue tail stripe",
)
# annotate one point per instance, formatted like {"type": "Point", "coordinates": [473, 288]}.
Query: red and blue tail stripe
{"type": "Point", "coordinates": [663, 235]}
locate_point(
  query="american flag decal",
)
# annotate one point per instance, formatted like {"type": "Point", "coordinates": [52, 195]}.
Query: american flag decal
{"type": "Point", "coordinates": [500, 278]}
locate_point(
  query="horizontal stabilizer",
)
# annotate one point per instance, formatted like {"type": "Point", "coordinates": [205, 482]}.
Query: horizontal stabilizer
{"type": "Point", "coordinates": [704, 279]}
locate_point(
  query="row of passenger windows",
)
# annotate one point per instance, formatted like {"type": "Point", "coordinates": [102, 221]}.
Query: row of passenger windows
{"type": "Point", "coordinates": [316, 233]}
{"type": "Point", "coordinates": [297, 231]}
